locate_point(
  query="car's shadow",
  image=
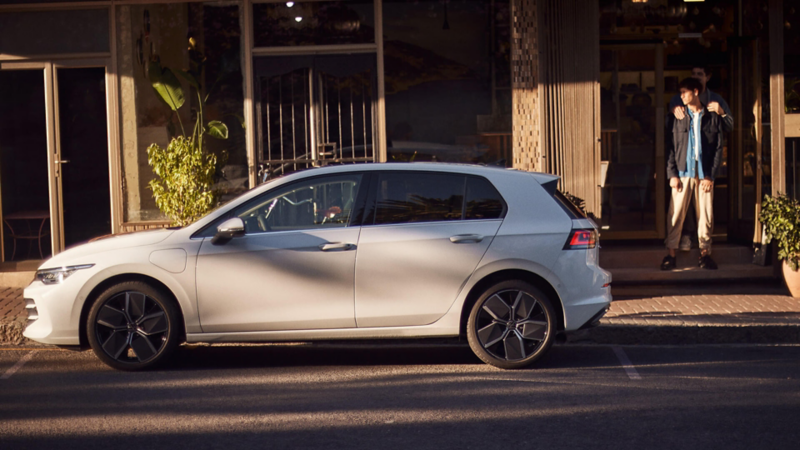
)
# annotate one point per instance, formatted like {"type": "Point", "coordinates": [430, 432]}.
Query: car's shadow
{"type": "Point", "coordinates": [378, 353]}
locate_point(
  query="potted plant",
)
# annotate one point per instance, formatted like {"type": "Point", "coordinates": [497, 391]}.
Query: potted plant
{"type": "Point", "coordinates": [781, 219]}
{"type": "Point", "coordinates": [183, 187]}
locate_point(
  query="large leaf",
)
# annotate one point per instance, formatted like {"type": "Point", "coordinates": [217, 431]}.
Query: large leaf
{"type": "Point", "coordinates": [166, 86]}
{"type": "Point", "coordinates": [190, 78]}
{"type": "Point", "coordinates": [217, 129]}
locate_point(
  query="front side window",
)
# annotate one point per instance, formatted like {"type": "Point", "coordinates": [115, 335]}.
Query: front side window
{"type": "Point", "coordinates": [419, 197]}
{"type": "Point", "coordinates": [326, 202]}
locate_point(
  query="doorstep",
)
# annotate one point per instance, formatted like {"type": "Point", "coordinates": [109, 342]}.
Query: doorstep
{"type": "Point", "coordinates": [18, 274]}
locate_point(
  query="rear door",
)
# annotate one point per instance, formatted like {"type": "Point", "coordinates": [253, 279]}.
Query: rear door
{"type": "Point", "coordinates": [424, 234]}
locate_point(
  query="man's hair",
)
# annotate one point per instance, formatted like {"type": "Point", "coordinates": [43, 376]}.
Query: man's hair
{"type": "Point", "coordinates": [706, 68]}
{"type": "Point", "coordinates": [691, 84]}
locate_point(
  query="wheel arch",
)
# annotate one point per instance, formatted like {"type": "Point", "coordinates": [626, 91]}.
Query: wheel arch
{"type": "Point", "coordinates": [121, 278]}
{"type": "Point", "coordinates": [505, 275]}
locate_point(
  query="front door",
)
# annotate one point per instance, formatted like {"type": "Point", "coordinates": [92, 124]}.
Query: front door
{"type": "Point", "coordinates": [293, 269]}
{"type": "Point", "coordinates": [54, 157]}
{"type": "Point", "coordinates": [313, 110]}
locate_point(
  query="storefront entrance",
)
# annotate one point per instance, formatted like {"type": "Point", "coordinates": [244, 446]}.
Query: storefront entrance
{"type": "Point", "coordinates": [645, 52]}
{"type": "Point", "coordinates": [54, 143]}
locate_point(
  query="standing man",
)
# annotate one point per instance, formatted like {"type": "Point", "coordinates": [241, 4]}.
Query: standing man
{"type": "Point", "coordinates": [695, 154]}
{"type": "Point", "coordinates": [715, 103]}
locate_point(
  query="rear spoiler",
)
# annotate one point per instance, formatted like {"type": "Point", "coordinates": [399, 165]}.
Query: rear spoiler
{"type": "Point", "coordinates": [550, 184]}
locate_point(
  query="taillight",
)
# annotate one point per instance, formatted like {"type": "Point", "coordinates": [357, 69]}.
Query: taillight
{"type": "Point", "coordinates": [581, 239]}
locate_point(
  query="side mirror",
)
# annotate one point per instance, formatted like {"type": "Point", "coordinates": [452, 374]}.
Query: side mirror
{"type": "Point", "coordinates": [228, 230]}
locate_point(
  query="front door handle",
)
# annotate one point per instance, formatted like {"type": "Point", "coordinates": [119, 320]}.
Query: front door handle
{"type": "Point", "coordinates": [466, 238]}
{"type": "Point", "coordinates": [336, 246]}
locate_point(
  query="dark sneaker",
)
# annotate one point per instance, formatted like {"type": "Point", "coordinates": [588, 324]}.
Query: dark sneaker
{"type": "Point", "coordinates": [669, 263]}
{"type": "Point", "coordinates": [707, 263]}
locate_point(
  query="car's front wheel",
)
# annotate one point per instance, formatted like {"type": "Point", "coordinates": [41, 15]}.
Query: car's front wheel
{"type": "Point", "coordinates": [133, 326]}
{"type": "Point", "coordinates": [511, 325]}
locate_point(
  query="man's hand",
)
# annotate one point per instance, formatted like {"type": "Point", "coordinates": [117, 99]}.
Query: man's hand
{"type": "Point", "coordinates": [675, 183]}
{"type": "Point", "coordinates": [680, 113]}
{"type": "Point", "coordinates": [706, 185]}
{"type": "Point", "coordinates": [716, 108]}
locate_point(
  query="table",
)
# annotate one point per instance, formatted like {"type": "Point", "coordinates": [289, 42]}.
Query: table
{"type": "Point", "coordinates": [30, 233]}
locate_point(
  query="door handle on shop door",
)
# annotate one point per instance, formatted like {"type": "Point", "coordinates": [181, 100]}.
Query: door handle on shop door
{"type": "Point", "coordinates": [336, 246]}
{"type": "Point", "coordinates": [466, 238]}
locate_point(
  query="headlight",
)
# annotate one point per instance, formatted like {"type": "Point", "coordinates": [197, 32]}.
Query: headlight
{"type": "Point", "coordinates": [56, 276]}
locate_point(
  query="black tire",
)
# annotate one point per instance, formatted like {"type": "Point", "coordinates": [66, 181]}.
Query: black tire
{"type": "Point", "coordinates": [133, 326]}
{"type": "Point", "coordinates": [511, 325]}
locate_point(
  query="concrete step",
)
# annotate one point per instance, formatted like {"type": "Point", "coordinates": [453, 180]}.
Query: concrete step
{"type": "Point", "coordinates": [16, 279]}
{"type": "Point", "coordinates": [688, 271]}
{"type": "Point", "coordinates": [643, 257]}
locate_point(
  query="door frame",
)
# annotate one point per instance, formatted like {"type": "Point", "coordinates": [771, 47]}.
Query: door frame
{"type": "Point", "coordinates": [50, 67]}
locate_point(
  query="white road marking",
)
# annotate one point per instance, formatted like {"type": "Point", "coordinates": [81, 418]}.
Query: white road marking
{"type": "Point", "coordinates": [17, 366]}
{"type": "Point", "coordinates": [626, 363]}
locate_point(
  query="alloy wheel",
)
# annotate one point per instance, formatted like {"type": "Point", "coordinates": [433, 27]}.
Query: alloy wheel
{"type": "Point", "coordinates": [512, 325]}
{"type": "Point", "coordinates": [132, 327]}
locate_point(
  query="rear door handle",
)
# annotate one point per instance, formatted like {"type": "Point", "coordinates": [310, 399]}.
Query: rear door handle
{"type": "Point", "coordinates": [466, 238]}
{"type": "Point", "coordinates": [330, 246]}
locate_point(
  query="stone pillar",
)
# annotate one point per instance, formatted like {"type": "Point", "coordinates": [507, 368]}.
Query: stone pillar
{"type": "Point", "coordinates": [524, 84]}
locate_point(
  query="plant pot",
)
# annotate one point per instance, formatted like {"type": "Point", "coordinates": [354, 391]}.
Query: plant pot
{"type": "Point", "coordinates": [792, 280]}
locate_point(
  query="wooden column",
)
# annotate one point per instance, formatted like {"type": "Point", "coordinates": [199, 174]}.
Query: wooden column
{"type": "Point", "coordinates": [776, 96]}
{"type": "Point", "coordinates": [566, 87]}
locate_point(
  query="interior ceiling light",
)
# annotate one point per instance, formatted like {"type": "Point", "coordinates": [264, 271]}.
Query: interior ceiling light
{"type": "Point", "coordinates": [289, 4]}
{"type": "Point", "coordinates": [298, 19]}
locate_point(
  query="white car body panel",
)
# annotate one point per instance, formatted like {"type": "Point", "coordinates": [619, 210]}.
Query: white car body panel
{"type": "Point", "coordinates": [531, 237]}
{"type": "Point", "coordinates": [410, 274]}
{"type": "Point", "coordinates": [277, 281]}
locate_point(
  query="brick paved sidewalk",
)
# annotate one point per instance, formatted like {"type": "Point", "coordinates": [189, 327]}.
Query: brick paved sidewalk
{"type": "Point", "coordinates": [11, 303]}
{"type": "Point", "coordinates": [688, 305]}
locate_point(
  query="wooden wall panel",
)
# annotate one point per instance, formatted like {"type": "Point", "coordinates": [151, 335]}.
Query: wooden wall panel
{"type": "Point", "coordinates": [555, 64]}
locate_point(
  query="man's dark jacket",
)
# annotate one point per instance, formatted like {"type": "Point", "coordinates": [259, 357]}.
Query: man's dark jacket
{"type": "Point", "coordinates": [710, 137]}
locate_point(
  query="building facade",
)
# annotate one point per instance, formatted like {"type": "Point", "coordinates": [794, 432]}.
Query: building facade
{"type": "Point", "coordinates": [579, 88]}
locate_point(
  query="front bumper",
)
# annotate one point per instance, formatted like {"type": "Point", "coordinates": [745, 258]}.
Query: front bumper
{"type": "Point", "coordinates": [57, 311]}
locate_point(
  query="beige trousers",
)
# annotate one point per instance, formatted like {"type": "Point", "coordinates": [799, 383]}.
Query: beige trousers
{"type": "Point", "coordinates": [679, 205]}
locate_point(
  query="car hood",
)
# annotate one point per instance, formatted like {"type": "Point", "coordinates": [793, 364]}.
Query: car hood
{"type": "Point", "coordinates": [78, 254]}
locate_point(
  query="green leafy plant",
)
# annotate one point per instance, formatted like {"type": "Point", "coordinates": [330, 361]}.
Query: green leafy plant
{"type": "Point", "coordinates": [183, 189]}
{"type": "Point", "coordinates": [781, 219]}
{"type": "Point", "coordinates": [185, 172]}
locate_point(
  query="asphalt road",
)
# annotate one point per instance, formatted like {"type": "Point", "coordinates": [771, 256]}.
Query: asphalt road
{"type": "Point", "coordinates": [323, 396]}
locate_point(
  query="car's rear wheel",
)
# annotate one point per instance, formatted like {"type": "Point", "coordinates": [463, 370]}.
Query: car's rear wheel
{"type": "Point", "coordinates": [511, 325]}
{"type": "Point", "coordinates": [133, 326]}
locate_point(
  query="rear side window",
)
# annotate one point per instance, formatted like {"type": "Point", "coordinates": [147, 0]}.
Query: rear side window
{"type": "Point", "coordinates": [483, 200]}
{"type": "Point", "coordinates": [408, 197]}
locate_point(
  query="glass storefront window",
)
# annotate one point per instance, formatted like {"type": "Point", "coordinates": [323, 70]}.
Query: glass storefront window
{"type": "Point", "coordinates": [314, 23]}
{"type": "Point", "coordinates": [55, 31]}
{"type": "Point", "coordinates": [448, 94]}
{"type": "Point", "coordinates": [160, 33]}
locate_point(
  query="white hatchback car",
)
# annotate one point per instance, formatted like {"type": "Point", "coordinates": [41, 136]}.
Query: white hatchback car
{"type": "Point", "coordinates": [345, 252]}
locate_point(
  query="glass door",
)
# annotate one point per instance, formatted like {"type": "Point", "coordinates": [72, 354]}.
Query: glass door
{"type": "Point", "coordinates": [82, 153]}
{"type": "Point", "coordinates": [314, 110]}
{"type": "Point", "coordinates": [54, 157]}
{"type": "Point", "coordinates": [632, 141]}
{"type": "Point", "coordinates": [24, 178]}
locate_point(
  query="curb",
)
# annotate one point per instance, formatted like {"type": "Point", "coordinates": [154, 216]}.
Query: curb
{"type": "Point", "coordinates": [686, 335]}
